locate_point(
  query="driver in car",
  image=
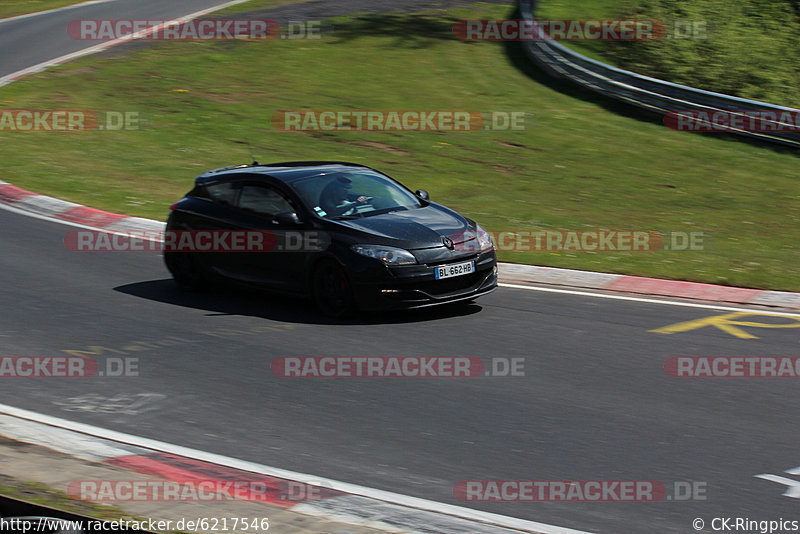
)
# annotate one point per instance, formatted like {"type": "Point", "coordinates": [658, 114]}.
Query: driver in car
{"type": "Point", "coordinates": [336, 200]}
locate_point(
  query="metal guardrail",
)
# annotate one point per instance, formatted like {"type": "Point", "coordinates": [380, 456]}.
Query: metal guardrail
{"type": "Point", "coordinates": [651, 93]}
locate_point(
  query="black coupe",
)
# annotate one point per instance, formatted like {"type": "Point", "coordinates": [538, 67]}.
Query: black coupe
{"type": "Point", "coordinates": [341, 233]}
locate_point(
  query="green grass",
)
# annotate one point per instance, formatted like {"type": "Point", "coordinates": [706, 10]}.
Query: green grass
{"type": "Point", "coordinates": [255, 5]}
{"type": "Point", "coordinates": [39, 494]}
{"type": "Point", "coordinates": [747, 48]}
{"type": "Point", "coordinates": [582, 163]}
{"type": "Point", "coordinates": [12, 8]}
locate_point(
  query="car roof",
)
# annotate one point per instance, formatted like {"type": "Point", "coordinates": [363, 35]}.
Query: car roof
{"type": "Point", "coordinates": [287, 171]}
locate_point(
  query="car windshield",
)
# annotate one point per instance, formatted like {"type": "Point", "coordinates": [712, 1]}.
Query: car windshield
{"type": "Point", "coordinates": [354, 194]}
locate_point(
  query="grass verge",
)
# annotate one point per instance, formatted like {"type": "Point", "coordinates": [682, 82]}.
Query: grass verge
{"type": "Point", "coordinates": [39, 494]}
{"type": "Point", "coordinates": [581, 163]}
{"type": "Point", "coordinates": [256, 5]}
{"type": "Point", "coordinates": [12, 8]}
{"type": "Point", "coordinates": [747, 48]}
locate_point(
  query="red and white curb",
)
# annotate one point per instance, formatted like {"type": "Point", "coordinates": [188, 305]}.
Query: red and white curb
{"type": "Point", "coordinates": [331, 499]}
{"type": "Point", "coordinates": [510, 273]}
{"type": "Point", "coordinates": [74, 214]}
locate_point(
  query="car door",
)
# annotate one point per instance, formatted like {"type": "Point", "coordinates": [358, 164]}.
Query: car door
{"type": "Point", "coordinates": [282, 266]}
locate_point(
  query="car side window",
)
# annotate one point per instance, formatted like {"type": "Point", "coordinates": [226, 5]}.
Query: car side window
{"type": "Point", "coordinates": [263, 200]}
{"type": "Point", "coordinates": [223, 193]}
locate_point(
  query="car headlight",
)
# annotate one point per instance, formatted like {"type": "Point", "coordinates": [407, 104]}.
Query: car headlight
{"type": "Point", "coordinates": [387, 255]}
{"type": "Point", "coordinates": [484, 239]}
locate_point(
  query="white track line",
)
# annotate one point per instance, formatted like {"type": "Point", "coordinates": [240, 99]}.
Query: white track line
{"type": "Point", "coordinates": [394, 498]}
{"type": "Point", "coordinates": [664, 301]}
{"type": "Point", "coordinates": [647, 300]}
{"type": "Point", "coordinates": [9, 78]}
{"type": "Point", "coordinates": [65, 8]}
{"type": "Point", "coordinates": [52, 219]}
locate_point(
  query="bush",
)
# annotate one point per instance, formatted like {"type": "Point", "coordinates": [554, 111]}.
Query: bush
{"type": "Point", "coordinates": [752, 48]}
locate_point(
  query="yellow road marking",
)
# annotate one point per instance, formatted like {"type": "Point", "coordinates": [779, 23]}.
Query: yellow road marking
{"type": "Point", "coordinates": [726, 323]}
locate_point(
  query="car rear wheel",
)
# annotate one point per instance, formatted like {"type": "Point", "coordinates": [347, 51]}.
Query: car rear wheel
{"type": "Point", "coordinates": [186, 270]}
{"type": "Point", "coordinates": [331, 290]}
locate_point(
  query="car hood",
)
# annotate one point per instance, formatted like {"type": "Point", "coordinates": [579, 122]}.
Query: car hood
{"type": "Point", "coordinates": [413, 229]}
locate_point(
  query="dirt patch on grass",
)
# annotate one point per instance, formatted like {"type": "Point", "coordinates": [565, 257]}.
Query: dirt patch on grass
{"type": "Point", "coordinates": [375, 145]}
{"type": "Point", "coordinates": [509, 144]}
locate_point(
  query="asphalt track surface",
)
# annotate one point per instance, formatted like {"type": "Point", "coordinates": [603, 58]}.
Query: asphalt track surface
{"type": "Point", "coordinates": [594, 404]}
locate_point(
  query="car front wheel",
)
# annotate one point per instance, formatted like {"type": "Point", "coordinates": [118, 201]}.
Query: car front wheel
{"type": "Point", "coordinates": [331, 290]}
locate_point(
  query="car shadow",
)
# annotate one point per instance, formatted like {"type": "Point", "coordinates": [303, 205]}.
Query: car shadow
{"type": "Point", "coordinates": [230, 299]}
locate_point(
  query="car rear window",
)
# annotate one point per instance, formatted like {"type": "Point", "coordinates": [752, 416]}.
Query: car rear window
{"type": "Point", "coordinates": [223, 193]}
{"type": "Point", "coordinates": [263, 200]}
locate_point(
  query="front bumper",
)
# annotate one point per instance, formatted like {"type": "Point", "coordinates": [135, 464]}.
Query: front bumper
{"type": "Point", "coordinates": [415, 286]}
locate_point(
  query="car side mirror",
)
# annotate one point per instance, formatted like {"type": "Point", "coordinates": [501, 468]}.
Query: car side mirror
{"type": "Point", "coordinates": [287, 218]}
{"type": "Point", "coordinates": [424, 195]}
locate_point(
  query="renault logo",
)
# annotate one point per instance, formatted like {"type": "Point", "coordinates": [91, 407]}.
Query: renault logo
{"type": "Point", "coordinates": [447, 242]}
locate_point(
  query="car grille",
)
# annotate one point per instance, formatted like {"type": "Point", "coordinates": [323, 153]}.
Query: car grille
{"type": "Point", "coordinates": [439, 288]}
{"type": "Point", "coordinates": [450, 285]}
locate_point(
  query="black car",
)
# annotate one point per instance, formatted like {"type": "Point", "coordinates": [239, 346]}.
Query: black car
{"type": "Point", "coordinates": [341, 233]}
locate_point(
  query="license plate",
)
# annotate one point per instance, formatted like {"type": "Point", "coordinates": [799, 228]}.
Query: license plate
{"type": "Point", "coordinates": [456, 269]}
